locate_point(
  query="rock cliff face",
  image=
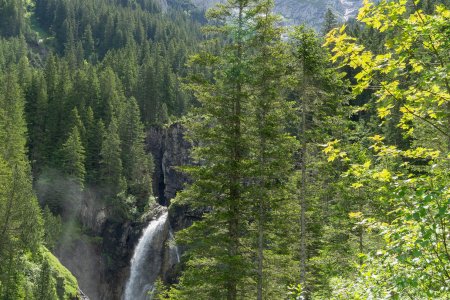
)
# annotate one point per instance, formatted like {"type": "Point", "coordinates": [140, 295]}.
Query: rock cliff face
{"type": "Point", "coordinates": [169, 150]}
{"type": "Point", "coordinates": [310, 12]}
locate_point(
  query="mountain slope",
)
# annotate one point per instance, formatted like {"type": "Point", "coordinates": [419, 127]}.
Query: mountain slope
{"type": "Point", "coordinates": [310, 12]}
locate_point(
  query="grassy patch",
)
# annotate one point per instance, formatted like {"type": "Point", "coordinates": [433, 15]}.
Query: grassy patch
{"type": "Point", "coordinates": [62, 274]}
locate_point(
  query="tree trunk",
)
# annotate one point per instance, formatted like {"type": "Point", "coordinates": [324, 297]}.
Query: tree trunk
{"type": "Point", "coordinates": [260, 250]}
{"type": "Point", "coordinates": [303, 250]}
{"type": "Point", "coordinates": [235, 193]}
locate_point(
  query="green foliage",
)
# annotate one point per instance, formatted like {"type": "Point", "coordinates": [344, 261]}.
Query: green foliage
{"type": "Point", "coordinates": [12, 18]}
{"type": "Point", "coordinates": [111, 162]}
{"type": "Point", "coordinates": [367, 217]}
{"type": "Point", "coordinates": [66, 283]}
{"type": "Point", "coordinates": [329, 22]}
{"type": "Point", "coordinates": [45, 285]}
{"type": "Point", "coordinates": [24, 274]}
{"type": "Point", "coordinates": [245, 158]}
{"type": "Point", "coordinates": [20, 221]}
{"type": "Point", "coordinates": [410, 74]}
{"type": "Point", "coordinates": [138, 166]}
{"type": "Point", "coordinates": [52, 228]}
{"type": "Point", "coordinates": [73, 157]}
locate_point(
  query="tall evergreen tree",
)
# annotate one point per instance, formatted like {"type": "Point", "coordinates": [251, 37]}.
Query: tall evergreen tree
{"type": "Point", "coordinates": [218, 267]}
{"type": "Point", "coordinates": [95, 131]}
{"type": "Point", "coordinates": [272, 147]}
{"type": "Point", "coordinates": [45, 285]}
{"type": "Point", "coordinates": [111, 162]}
{"type": "Point", "coordinates": [329, 22]}
{"type": "Point", "coordinates": [318, 90]}
{"type": "Point", "coordinates": [73, 157]}
{"type": "Point", "coordinates": [20, 219]}
{"type": "Point", "coordinates": [245, 158]}
{"type": "Point", "coordinates": [36, 109]}
{"type": "Point", "coordinates": [137, 165]}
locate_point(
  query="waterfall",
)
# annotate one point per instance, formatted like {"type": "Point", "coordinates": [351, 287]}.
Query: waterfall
{"type": "Point", "coordinates": [175, 253]}
{"type": "Point", "coordinates": [146, 261]}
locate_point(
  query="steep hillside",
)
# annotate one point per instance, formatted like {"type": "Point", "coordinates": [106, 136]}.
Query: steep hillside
{"type": "Point", "coordinates": [310, 12]}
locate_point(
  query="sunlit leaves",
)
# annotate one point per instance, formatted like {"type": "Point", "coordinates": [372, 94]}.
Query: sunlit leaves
{"type": "Point", "coordinates": [332, 152]}
{"type": "Point", "coordinates": [417, 44]}
{"type": "Point", "coordinates": [410, 76]}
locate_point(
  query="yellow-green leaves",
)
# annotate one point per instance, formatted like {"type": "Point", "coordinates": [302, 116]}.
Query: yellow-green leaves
{"type": "Point", "coordinates": [410, 77]}
{"type": "Point", "coordinates": [333, 153]}
{"type": "Point", "coordinates": [421, 152]}
{"type": "Point", "coordinates": [417, 44]}
{"type": "Point", "coordinates": [384, 111]}
{"type": "Point", "coordinates": [383, 175]}
{"type": "Point", "coordinates": [355, 215]}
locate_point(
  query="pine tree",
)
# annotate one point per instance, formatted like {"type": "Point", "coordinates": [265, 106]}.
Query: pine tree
{"type": "Point", "coordinates": [111, 162]}
{"type": "Point", "coordinates": [12, 18]}
{"type": "Point", "coordinates": [73, 157]}
{"type": "Point", "coordinates": [52, 228]}
{"type": "Point", "coordinates": [45, 285]}
{"type": "Point", "coordinates": [244, 154]}
{"type": "Point", "coordinates": [137, 165]}
{"type": "Point", "coordinates": [20, 219]}
{"type": "Point", "coordinates": [329, 22]}
{"type": "Point", "coordinates": [95, 131]}
{"type": "Point", "coordinates": [37, 111]}
{"type": "Point", "coordinates": [13, 121]}
{"type": "Point", "coordinates": [272, 147]}
{"type": "Point", "coordinates": [111, 95]}
{"type": "Point", "coordinates": [217, 266]}
{"type": "Point", "coordinates": [74, 121]}
{"type": "Point", "coordinates": [89, 45]}
{"type": "Point", "coordinates": [318, 90]}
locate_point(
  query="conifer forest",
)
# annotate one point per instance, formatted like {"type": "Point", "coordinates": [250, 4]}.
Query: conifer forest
{"type": "Point", "coordinates": [224, 149]}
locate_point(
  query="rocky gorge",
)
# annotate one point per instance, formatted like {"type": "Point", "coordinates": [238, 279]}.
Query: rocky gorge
{"type": "Point", "coordinates": [99, 253]}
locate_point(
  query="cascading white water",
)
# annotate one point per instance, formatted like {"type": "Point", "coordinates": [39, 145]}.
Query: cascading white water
{"type": "Point", "coordinates": [146, 261]}
{"type": "Point", "coordinates": [173, 247]}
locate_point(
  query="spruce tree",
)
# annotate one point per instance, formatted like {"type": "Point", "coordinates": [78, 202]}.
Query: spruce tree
{"type": "Point", "coordinates": [45, 285]}
{"type": "Point", "coordinates": [20, 219]}
{"type": "Point", "coordinates": [95, 131]}
{"type": "Point", "coordinates": [52, 228]}
{"type": "Point", "coordinates": [272, 147]}
{"type": "Point", "coordinates": [245, 158]}
{"type": "Point", "coordinates": [73, 157]}
{"type": "Point", "coordinates": [74, 120]}
{"type": "Point", "coordinates": [111, 168]}
{"type": "Point", "coordinates": [37, 111]}
{"type": "Point", "coordinates": [218, 266]}
{"type": "Point", "coordinates": [89, 45]}
{"type": "Point", "coordinates": [137, 165]}
{"type": "Point", "coordinates": [318, 90]}
{"type": "Point", "coordinates": [329, 22]}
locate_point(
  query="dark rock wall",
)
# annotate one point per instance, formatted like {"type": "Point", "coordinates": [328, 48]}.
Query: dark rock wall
{"type": "Point", "coordinates": [169, 150]}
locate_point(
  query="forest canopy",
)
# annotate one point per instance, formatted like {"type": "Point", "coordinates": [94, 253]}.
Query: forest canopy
{"type": "Point", "coordinates": [320, 160]}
